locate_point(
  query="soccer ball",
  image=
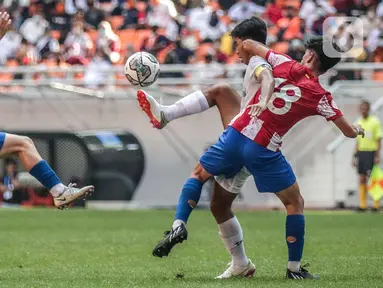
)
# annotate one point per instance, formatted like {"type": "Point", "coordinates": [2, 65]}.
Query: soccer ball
{"type": "Point", "coordinates": [142, 69]}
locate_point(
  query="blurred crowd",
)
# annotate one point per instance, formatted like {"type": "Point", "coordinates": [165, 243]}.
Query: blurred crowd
{"type": "Point", "coordinates": [100, 33]}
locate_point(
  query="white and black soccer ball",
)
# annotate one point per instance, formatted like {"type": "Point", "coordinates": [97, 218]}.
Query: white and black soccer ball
{"type": "Point", "coordinates": [142, 69]}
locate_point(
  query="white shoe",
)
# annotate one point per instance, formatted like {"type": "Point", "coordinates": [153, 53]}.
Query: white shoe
{"type": "Point", "coordinates": [247, 271]}
{"type": "Point", "coordinates": [71, 194]}
{"type": "Point", "coordinates": [152, 108]}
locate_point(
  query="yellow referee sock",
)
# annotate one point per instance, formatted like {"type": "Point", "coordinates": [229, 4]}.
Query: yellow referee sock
{"type": "Point", "coordinates": [362, 196]}
{"type": "Point", "coordinates": [376, 204]}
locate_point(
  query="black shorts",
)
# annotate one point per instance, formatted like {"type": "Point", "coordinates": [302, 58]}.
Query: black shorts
{"type": "Point", "coordinates": [365, 162]}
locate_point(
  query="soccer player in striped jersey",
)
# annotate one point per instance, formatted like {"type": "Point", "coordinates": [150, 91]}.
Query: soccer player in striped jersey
{"type": "Point", "coordinates": [254, 142]}
{"type": "Point", "coordinates": [24, 148]}
{"type": "Point", "coordinates": [258, 75]}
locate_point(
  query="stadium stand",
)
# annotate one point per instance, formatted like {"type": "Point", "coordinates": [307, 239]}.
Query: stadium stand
{"type": "Point", "coordinates": [72, 31]}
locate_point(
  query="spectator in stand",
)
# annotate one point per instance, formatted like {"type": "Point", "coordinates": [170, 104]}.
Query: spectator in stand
{"type": "Point", "coordinates": [27, 54]}
{"type": "Point", "coordinates": [342, 6]}
{"type": "Point", "coordinates": [312, 10]}
{"type": "Point", "coordinates": [370, 22]}
{"type": "Point", "coordinates": [155, 43]}
{"type": "Point", "coordinates": [244, 9]}
{"type": "Point", "coordinates": [94, 16]}
{"type": "Point", "coordinates": [273, 12]}
{"type": "Point", "coordinates": [182, 54]}
{"type": "Point", "coordinates": [142, 8]}
{"type": "Point", "coordinates": [130, 15]}
{"type": "Point", "coordinates": [10, 44]}
{"type": "Point", "coordinates": [17, 17]}
{"type": "Point", "coordinates": [289, 25]}
{"type": "Point", "coordinates": [73, 6]}
{"type": "Point", "coordinates": [34, 28]}
{"type": "Point", "coordinates": [159, 14]}
{"type": "Point", "coordinates": [359, 7]}
{"type": "Point", "coordinates": [317, 26]}
{"type": "Point", "coordinates": [108, 42]}
{"type": "Point", "coordinates": [214, 30]}
{"type": "Point", "coordinates": [95, 76]}
{"type": "Point", "coordinates": [10, 187]}
{"type": "Point", "coordinates": [60, 20]}
{"type": "Point", "coordinates": [78, 45]}
{"type": "Point", "coordinates": [375, 39]}
{"type": "Point", "coordinates": [47, 46]}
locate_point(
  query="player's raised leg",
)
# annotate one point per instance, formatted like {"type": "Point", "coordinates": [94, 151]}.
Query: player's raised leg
{"type": "Point", "coordinates": [230, 229]}
{"type": "Point", "coordinates": [221, 95]}
{"type": "Point", "coordinates": [30, 158]}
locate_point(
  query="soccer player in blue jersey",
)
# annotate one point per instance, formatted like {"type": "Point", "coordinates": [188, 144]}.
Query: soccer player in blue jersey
{"type": "Point", "coordinates": [24, 148]}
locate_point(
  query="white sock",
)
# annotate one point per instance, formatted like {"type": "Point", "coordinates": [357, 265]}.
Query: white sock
{"type": "Point", "coordinates": [191, 104]}
{"type": "Point", "coordinates": [57, 190]}
{"type": "Point", "coordinates": [232, 236]}
{"type": "Point", "coordinates": [177, 223]}
{"type": "Point", "coordinates": [294, 266]}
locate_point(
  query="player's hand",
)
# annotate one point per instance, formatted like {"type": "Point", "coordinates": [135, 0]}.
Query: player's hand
{"type": "Point", "coordinates": [377, 159]}
{"type": "Point", "coordinates": [359, 130]}
{"type": "Point", "coordinates": [5, 23]}
{"type": "Point", "coordinates": [257, 109]}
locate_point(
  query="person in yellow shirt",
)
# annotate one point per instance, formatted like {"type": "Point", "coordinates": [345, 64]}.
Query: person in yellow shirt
{"type": "Point", "coordinates": [367, 152]}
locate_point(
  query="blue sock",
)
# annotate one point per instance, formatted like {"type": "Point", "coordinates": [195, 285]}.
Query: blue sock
{"type": "Point", "coordinates": [295, 234]}
{"type": "Point", "coordinates": [44, 173]}
{"type": "Point", "coordinates": [191, 191]}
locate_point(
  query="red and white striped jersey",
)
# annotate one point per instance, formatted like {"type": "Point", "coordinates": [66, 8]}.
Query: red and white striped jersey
{"type": "Point", "coordinates": [297, 95]}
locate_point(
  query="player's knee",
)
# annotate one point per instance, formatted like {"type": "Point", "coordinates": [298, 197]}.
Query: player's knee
{"type": "Point", "coordinates": [222, 89]}
{"type": "Point", "coordinates": [200, 174]}
{"type": "Point", "coordinates": [297, 204]}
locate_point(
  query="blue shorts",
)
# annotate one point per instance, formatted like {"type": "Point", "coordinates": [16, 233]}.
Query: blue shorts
{"type": "Point", "coordinates": [2, 139]}
{"type": "Point", "coordinates": [271, 171]}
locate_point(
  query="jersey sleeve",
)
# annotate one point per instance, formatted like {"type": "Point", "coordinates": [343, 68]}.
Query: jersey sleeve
{"type": "Point", "coordinates": [328, 108]}
{"type": "Point", "coordinates": [276, 59]}
{"type": "Point", "coordinates": [257, 65]}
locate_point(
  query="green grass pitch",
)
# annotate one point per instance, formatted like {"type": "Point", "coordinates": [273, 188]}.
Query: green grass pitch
{"type": "Point", "coordinates": [74, 248]}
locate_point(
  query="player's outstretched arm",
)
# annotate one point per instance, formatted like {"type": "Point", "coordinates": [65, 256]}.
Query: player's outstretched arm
{"type": "Point", "coordinates": [255, 48]}
{"type": "Point", "coordinates": [5, 23]}
{"type": "Point", "coordinates": [267, 88]}
{"type": "Point", "coordinates": [348, 130]}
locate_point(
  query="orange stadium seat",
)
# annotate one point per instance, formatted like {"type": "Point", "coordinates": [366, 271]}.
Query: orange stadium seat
{"type": "Point", "coordinates": [378, 76]}
{"type": "Point", "coordinates": [281, 47]}
{"type": "Point", "coordinates": [116, 22]}
{"type": "Point", "coordinates": [7, 77]}
{"type": "Point", "coordinates": [127, 36]}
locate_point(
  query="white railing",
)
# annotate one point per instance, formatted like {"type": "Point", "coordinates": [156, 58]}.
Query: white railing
{"type": "Point", "coordinates": [191, 72]}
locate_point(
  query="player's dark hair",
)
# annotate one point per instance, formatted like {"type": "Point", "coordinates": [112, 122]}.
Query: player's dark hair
{"type": "Point", "coordinates": [316, 44]}
{"type": "Point", "coordinates": [253, 28]}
